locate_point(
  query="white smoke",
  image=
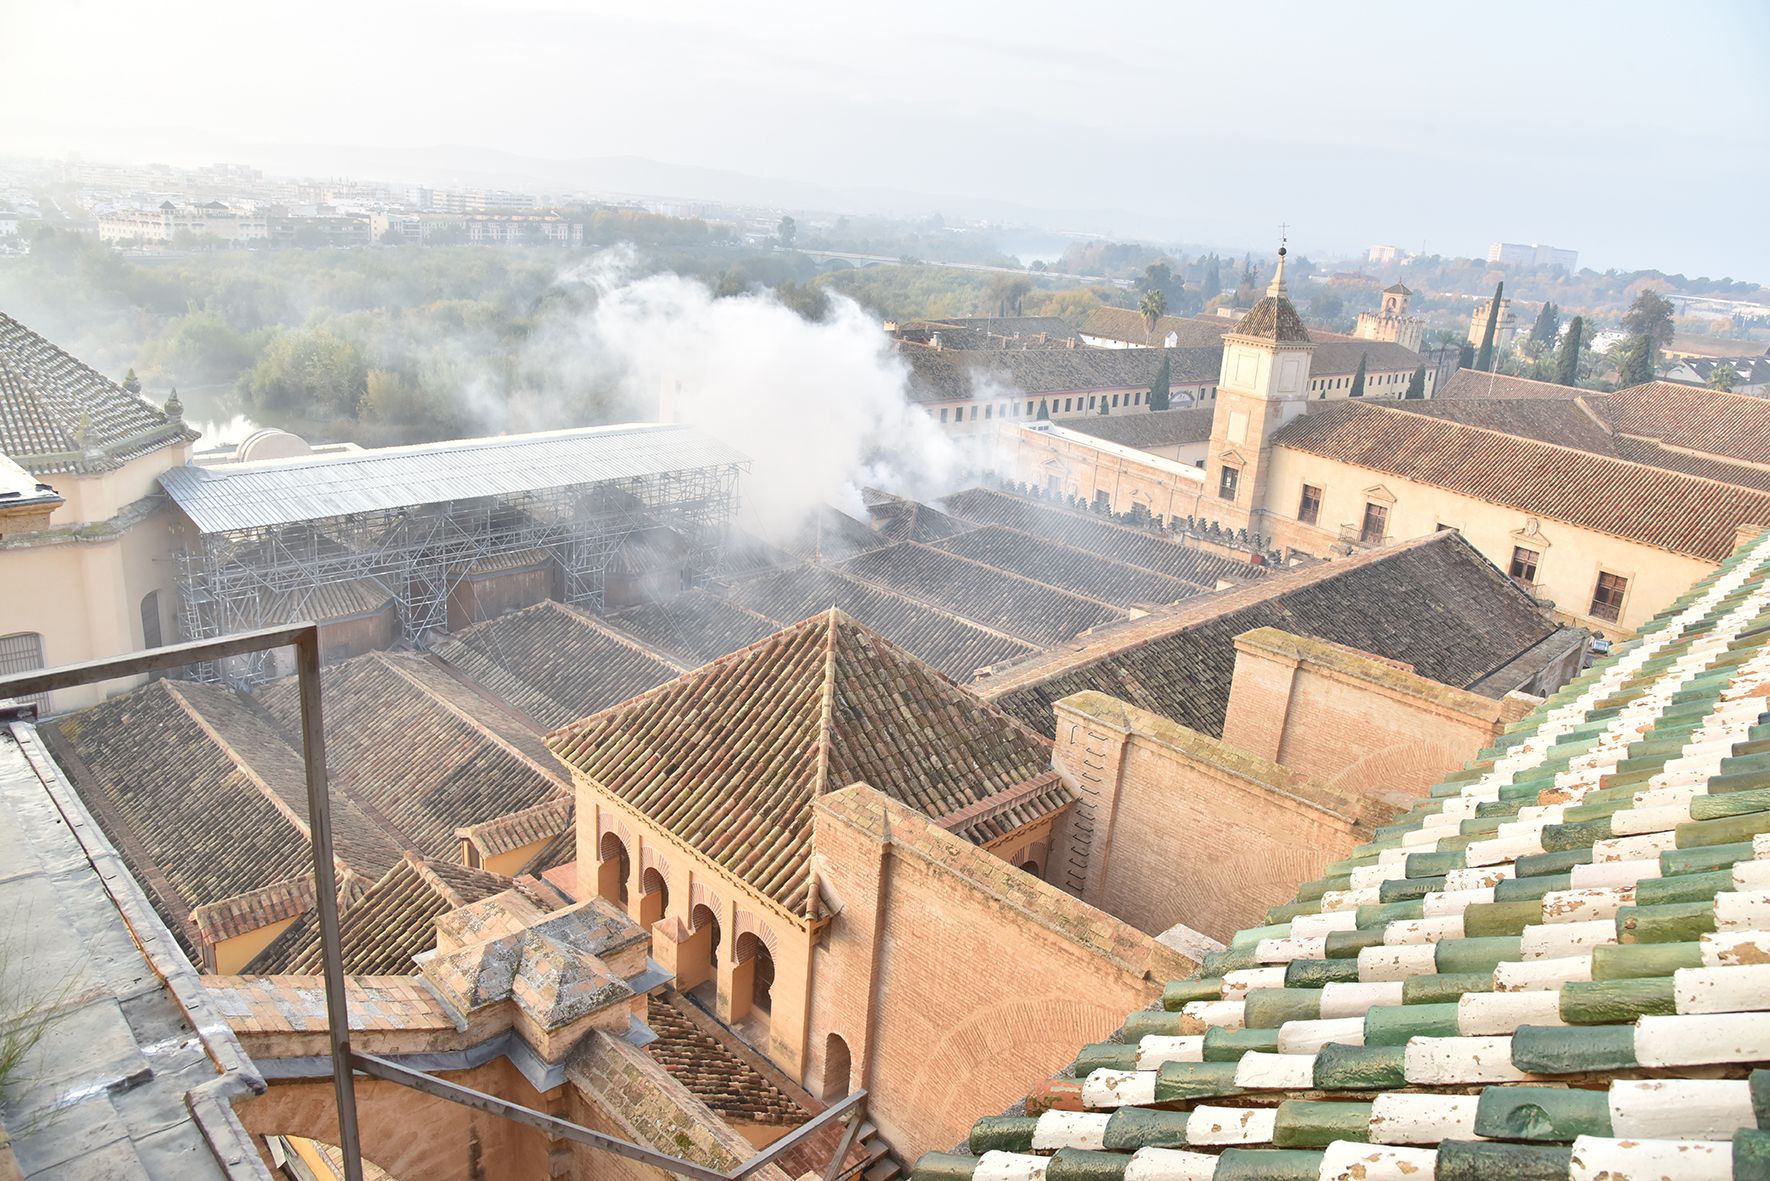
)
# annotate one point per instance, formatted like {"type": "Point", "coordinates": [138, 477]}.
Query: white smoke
{"type": "Point", "coordinates": [821, 407]}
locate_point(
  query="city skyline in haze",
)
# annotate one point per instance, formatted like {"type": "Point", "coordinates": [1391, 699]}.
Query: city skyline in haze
{"type": "Point", "coordinates": [1592, 128]}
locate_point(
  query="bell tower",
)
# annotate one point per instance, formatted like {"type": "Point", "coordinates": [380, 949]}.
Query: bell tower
{"type": "Point", "coordinates": [1263, 385]}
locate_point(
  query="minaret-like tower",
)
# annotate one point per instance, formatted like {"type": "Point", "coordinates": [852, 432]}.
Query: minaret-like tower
{"type": "Point", "coordinates": [1264, 384]}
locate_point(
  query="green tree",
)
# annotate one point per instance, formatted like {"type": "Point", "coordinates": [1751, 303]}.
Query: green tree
{"type": "Point", "coordinates": [1008, 292]}
{"type": "Point", "coordinates": [1723, 377]}
{"type": "Point", "coordinates": [1357, 390]}
{"type": "Point", "coordinates": [1212, 284]}
{"type": "Point", "coordinates": [1152, 307]}
{"type": "Point", "coordinates": [1567, 363]}
{"type": "Point", "coordinates": [1648, 324]}
{"type": "Point", "coordinates": [1416, 385]}
{"type": "Point", "coordinates": [1544, 331]}
{"type": "Point", "coordinates": [131, 382]}
{"type": "Point", "coordinates": [1159, 392]}
{"type": "Point", "coordinates": [1484, 358]}
{"type": "Point", "coordinates": [1634, 361]}
{"type": "Point", "coordinates": [310, 373]}
{"type": "Point", "coordinates": [1044, 410]}
{"type": "Point", "coordinates": [788, 231]}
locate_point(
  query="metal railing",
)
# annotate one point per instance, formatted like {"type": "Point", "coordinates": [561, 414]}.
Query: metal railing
{"type": "Point", "coordinates": [305, 639]}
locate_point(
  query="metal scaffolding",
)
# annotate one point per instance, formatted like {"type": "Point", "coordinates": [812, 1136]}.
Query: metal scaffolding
{"type": "Point", "coordinates": [240, 579]}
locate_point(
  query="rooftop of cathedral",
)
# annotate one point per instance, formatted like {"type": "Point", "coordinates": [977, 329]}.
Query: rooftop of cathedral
{"type": "Point", "coordinates": [731, 757]}
{"type": "Point", "coordinates": [1434, 603]}
{"type": "Point", "coordinates": [1156, 428]}
{"type": "Point", "coordinates": [1553, 967]}
{"type": "Point", "coordinates": [59, 415]}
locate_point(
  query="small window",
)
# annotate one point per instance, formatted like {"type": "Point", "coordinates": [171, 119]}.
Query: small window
{"type": "Point", "coordinates": [1376, 524]}
{"type": "Point", "coordinates": [1523, 566]}
{"type": "Point", "coordinates": [1090, 401]}
{"type": "Point", "coordinates": [1227, 481]}
{"type": "Point", "coordinates": [1136, 399]}
{"type": "Point", "coordinates": [1066, 403]}
{"type": "Point", "coordinates": [973, 414]}
{"type": "Point", "coordinates": [1607, 596]}
{"type": "Point", "coordinates": [986, 412]}
{"type": "Point", "coordinates": [1115, 399]}
{"type": "Point", "coordinates": [943, 415]}
{"type": "Point", "coordinates": [1309, 507]}
{"type": "Point", "coordinates": [1029, 409]}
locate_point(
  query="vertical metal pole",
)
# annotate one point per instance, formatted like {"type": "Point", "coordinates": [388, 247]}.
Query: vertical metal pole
{"type": "Point", "coordinates": [325, 883]}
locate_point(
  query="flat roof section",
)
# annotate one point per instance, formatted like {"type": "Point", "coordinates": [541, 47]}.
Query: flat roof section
{"type": "Point", "coordinates": [308, 488]}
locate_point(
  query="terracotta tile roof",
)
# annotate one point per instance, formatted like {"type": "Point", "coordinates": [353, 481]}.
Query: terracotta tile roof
{"type": "Point", "coordinates": [951, 643]}
{"type": "Point", "coordinates": [897, 518]}
{"type": "Point", "coordinates": [1006, 602]}
{"type": "Point", "coordinates": [59, 415]}
{"type": "Point", "coordinates": [1671, 510]}
{"type": "Point", "coordinates": [553, 662]}
{"type": "Point", "coordinates": [1553, 967]}
{"type": "Point", "coordinates": [409, 743]}
{"type": "Point", "coordinates": [729, 758]}
{"type": "Point", "coordinates": [947, 374]}
{"type": "Point", "coordinates": [1138, 547]}
{"type": "Point", "coordinates": [202, 797]}
{"type": "Point", "coordinates": [1070, 569]}
{"type": "Point", "coordinates": [391, 922]}
{"type": "Point", "coordinates": [1127, 324]}
{"type": "Point", "coordinates": [1273, 318]}
{"type": "Point", "coordinates": [229, 917]}
{"type": "Point", "coordinates": [1734, 426]}
{"type": "Point", "coordinates": [713, 1073]}
{"type": "Point", "coordinates": [1434, 603]}
{"type": "Point", "coordinates": [830, 535]}
{"type": "Point", "coordinates": [501, 834]}
{"type": "Point", "coordinates": [1157, 428]}
{"type": "Point", "coordinates": [1473, 383]}
{"type": "Point", "coordinates": [692, 628]}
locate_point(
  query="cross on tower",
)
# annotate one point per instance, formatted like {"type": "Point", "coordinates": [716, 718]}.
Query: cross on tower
{"type": "Point", "coordinates": [1283, 232]}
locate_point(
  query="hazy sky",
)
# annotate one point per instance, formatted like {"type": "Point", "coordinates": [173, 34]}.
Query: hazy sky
{"type": "Point", "coordinates": [1637, 133]}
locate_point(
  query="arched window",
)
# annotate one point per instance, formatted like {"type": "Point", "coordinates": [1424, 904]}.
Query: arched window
{"type": "Point", "coordinates": [150, 620]}
{"type": "Point", "coordinates": [654, 897]}
{"type": "Point", "coordinates": [702, 918]}
{"type": "Point", "coordinates": [752, 954]}
{"type": "Point", "coordinates": [612, 873]}
{"type": "Point", "coordinates": [838, 1066]}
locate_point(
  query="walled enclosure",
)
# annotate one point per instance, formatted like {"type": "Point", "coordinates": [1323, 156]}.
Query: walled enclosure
{"type": "Point", "coordinates": [1176, 828]}
{"type": "Point", "coordinates": [1350, 720]}
{"type": "Point", "coordinates": [954, 980]}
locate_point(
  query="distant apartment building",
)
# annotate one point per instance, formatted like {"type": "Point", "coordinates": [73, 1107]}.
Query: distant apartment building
{"type": "Point", "coordinates": [492, 229]}
{"type": "Point", "coordinates": [1514, 254]}
{"type": "Point", "coordinates": [472, 200]}
{"type": "Point", "coordinates": [321, 229]}
{"type": "Point", "coordinates": [1385, 254]}
{"type": "Point", "coordinates": [212, 220]}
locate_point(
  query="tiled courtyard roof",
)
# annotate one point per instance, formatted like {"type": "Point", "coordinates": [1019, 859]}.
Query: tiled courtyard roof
{"type": "Point", "coordinates": [1674, 511]}
{"type": "Point", "coordinates": [1034, 611]}
{"type": "Point", "coordinates": [554, 663]}
{"type": "Point", "coordinates": [731, 757]}
{"type": "Point", "coordinates": [1105, 538]}
{"type": "Point", "coordinates": [1157, 428]}
{"type": "Point", "coordinates": [60, 415]}
{"type": "Point", "coordinates": [393, 921]}
{"type": "Point", "coordinates": [692, 628]}
{"type": "Point", "coordinates": [713, 1073]}
{"type": "Point", "coordinates": [897, 518]}
{"type": "Point", "coordinates": [1069, 569]}
{"type": "Point", "coordinates": [203, 798]}
{"type": "Point", "coordinates": [1554, 967]}
{"type": "Point", "coordinates": [411, 745]}
{"type": "Point", "coordinates": [946, 374]}
{"type": "Point", "coordinates": [1434, 603]}
{"type": "Point", "coordinates": [951, 643]}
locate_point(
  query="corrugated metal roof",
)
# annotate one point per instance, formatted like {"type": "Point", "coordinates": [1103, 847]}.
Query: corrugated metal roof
{"type": "Point", "coordinates": [284, 491]}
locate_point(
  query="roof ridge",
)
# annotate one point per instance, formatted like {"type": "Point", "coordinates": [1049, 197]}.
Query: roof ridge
{"type": "Point", "coordinates": [826, 704]}
{"type": "Point", "coordinates": [421, 866]}
{"type": "Point", "coordinates": [386, 660]}
{"type": "Point", "coordinates": [620, 637]}
{"type": "Point", "coordinates": [924, 604]}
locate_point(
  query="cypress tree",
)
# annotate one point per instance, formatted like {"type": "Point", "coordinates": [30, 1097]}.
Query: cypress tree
{"type": "Point", "coordinates": [1567, 364]}
{"type": "Point", "coordinates": [1548, 323]}
{"type": "Point", "coordinates": [1158, 393]}
{"type": "Point", "coordinates": [1484, 359]}
{"type": "Point", "coordinates": [1416, 385]}
{"type": "Point", "coordinates": [1044, 411]}
{"type": "Point", "coordinates": [1636, 365]}
{"type": "Point", "coordinates": [1358, 380]}
{"type": "Point", "coordinates": [131, 382]}
{"type": "Point", "coordinates": [1466, 356]}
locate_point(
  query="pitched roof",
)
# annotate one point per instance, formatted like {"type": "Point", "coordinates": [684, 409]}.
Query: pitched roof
{"type": "Point", "coordinates": [1066, 568]}
{"type": "Point", "coordinates": [1034, 611]}
{"type": "Point", "coordinates": [391, 922]}
{"type": "Point", "coordinates": [553, 662]}
{"type": "Point", "coordinates": [1274, 319]}
{"type": "Point", "coordinates": [730, 758]}
{"type": "Point", "coordinates": [1434, 603]}
{"type": "Point", "coordinates": [1157, 428]}
{"type": "Point", "coordinates": [950, 642]}
{"type": "Point", "coordinates": [1128, 324]}
{"type": "Point", "coordinates": [1674, 511]}
{"type": "Point", "coordinates": [1336, 358]}
{"type": "Point", "coordinates": [1473, 383]}
{"type": "Point", "coordinates": [1735, 426]}
{"type": "Point", "coordinates": [946, 374]}
{"type": "Point", "coordinates": [1553, 967]}
{"type": "Point", "coordinates": [1108, 539]}
{"type": "Point", "coordinates": [692, 628]}
{"type": "Point", "coordinates": [58, 414]}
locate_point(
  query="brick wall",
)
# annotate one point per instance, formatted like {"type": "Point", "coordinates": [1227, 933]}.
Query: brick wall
{"type": "Point", "coordinates": [955, 980]}
{"type": "Point", "coordinates": [1178, 828]}
{"type": "Point", "coordinates": [1351, 720]}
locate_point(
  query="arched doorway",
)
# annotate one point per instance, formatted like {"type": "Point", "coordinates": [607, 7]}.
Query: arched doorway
{"type": "Point", "coordinates": [654, 897]}
{"type": "Point", "coordinates": [698, 970]}
{"type": "Point", "coordinates": [838, 1066]}
{"type": "Point", "coordinates": [614, 868]}
{"type": "Point", "coordinates": [1032, 867]}
{"type": "Point", "coordinates": [752, 981]}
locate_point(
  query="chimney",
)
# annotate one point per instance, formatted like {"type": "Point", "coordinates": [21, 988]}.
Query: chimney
{"type": "Point", "coordinates": [936, 342]}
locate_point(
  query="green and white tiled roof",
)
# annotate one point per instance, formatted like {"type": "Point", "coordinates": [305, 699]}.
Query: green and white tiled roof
{"type": "Point", "coordinates": [1557, 966]}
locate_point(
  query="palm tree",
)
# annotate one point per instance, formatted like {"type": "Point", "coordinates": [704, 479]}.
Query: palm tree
{"type": "Point", "coordinates": [1153, 306]}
